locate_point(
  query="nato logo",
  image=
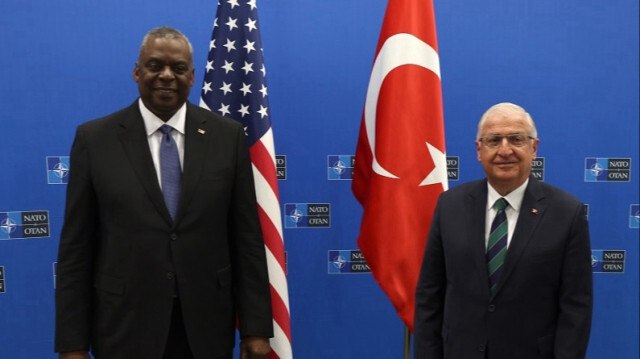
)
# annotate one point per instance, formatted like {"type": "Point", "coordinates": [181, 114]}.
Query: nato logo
{"type": "Point", "coordinates": [340, 167]}
{"type": "Point", "coordinates": [2, 284]}
{"type": "Point", "coordinates": [537, 168]}
{"type": "Point", "coordinates": [634, 216]}
{"type": "Point", "coordinates": [58, 169]}
{"type": "Point", "coordinates": [607, 261]}
{"type": "Point", "coordinates": [21, 225]}
{"type": "Point", "coordinates": [347, 261]}
{"type": "Point", "coordinates": [453, 167]}
{"type": "Point", "coordinates": [281, 167]}
{"type": "Point", "coordinates": [307, 215]}
{"type": "Point", "coordinates": [598, 169]}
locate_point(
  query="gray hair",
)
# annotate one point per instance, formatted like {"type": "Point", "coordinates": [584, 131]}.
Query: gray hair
{"type": "Point", "coordinates": [504, 107]}
{"type": "Point", "coordinates": [166, 32]}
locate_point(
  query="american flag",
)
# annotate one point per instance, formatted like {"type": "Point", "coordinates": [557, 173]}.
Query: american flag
{"type": "Point", "coordinates": [235, 86]}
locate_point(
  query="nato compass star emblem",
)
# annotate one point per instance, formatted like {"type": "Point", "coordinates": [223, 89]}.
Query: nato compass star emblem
{"type": "Point", "coordinates": [58, 168]}
{"type": "Point", "coordinates": [61, 170]}
{"type": "Point", "coordinates": [339, 167]}
{"type": "Point", "coordinates": [594, 260]}
{"type": "Point", "coordinates": [8, 225]}
{"type": "Point", "coordinates": [296, 215]}
{"type": "Point", "coordinates": [339, 262]}
{"type": "Point", "coordinates": [596, 169]}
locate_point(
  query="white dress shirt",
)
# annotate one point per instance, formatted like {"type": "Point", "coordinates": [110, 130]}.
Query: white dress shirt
{"type": "Point", "coordinates": [514, 198]}
{"type": "Point", "coordinates": [152, 124]}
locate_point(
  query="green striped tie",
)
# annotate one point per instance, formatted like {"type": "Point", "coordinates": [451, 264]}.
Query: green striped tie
{"type": "Point", "coordinates": [497, 247]}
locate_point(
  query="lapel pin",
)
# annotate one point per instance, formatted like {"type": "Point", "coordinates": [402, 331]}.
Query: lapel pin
{"type": "Point", "coordinates": [534, 211]}
{"type": "Point", "coordinates": [201, 131]}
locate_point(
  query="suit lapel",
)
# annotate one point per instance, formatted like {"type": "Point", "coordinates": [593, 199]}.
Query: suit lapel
{"type": "Point", "coordinates": [476, 208]}
{"type": "Point", "coordinates": [132, 135]}
{"type": "Point", "coordinates": [531, 212]}
{"type": "Point", "coordinates": [198, 133]}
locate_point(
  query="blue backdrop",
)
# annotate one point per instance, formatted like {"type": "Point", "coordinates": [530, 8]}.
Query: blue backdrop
{"type": "Point", "coordinates": [573, 64]}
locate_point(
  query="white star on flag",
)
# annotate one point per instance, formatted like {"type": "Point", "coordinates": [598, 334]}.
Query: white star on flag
{"type": "Point", "coordinates": [262, 111]}
{"type": "Point", "coordinates": [224, 109]}
{"type": "Point", "coordinates": [207, 87]}
{"type": "Point", "coordinates": [247, 68]}
{"type": "Point", "coordinates": [228, 66]}
{"type": "Point", "coordinates": [439, 173]}
{"type": "Point", "coordinates": [249, 46]}
{"type": "Point", "coordinates": [232, 23]}
{"type": "Point", "coordinates": [226, 88]}
{"type": "Point", "coordinates": [244, 110]}
{"type": "Point", "coordinates": [251, 24]}
{"type": "Point", "coordinates": [246, 88]}
{"type": "Point", "coordinates": [230, 45]}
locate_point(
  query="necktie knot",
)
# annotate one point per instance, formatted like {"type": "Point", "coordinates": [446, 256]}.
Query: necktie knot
{"type": "Point", "coordinates": [501, 204]}
{"type": "Point", "coordinates": [166, 129]}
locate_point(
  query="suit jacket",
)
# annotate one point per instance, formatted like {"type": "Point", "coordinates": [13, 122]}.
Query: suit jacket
{"type": "Point", "coordinates": [121, 256]}
{"type": "Point", "coordinates": [542, 307]}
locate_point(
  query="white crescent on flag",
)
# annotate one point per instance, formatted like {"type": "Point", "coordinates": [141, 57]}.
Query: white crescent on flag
{"type": "Point", "coordinates": [399, 50]}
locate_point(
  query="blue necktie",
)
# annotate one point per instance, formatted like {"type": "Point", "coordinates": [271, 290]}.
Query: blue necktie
{"type": "Point", "coordinates": [170, 171]}
{"type": "Point", "coordinates": [497, 247]}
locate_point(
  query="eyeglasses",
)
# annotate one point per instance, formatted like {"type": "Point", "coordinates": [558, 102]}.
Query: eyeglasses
{"type": "Point", "coordinates": [514, 139]}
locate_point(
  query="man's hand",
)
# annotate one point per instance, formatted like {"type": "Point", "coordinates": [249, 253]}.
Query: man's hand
{"type": "Point", "coordinates": [74, 355]}
{"type": "Point", "coordinates": [254, 348]}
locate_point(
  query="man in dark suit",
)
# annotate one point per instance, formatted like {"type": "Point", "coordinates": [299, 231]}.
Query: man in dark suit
{"type": "Point", "coordinates": [511, 280]}
{"type": "Point", "coordinates": [161, 249]}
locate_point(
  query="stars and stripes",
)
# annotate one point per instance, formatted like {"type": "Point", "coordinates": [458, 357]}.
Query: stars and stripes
{"type": "Point", "coordinates": [235, 86]}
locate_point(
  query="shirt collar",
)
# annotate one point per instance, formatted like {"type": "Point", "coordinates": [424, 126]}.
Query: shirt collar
{"type": "Point", "coordinates": [514, 197]}
{"type": "Point", "coordinates": [152, 122]}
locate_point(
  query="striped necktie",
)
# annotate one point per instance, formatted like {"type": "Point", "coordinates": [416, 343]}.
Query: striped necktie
{"type": "Point", "coordinates": [170, 171]}
{"type": "Point", "coordinates": [497, 247]}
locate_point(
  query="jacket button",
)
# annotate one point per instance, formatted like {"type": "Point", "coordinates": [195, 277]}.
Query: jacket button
{"type": "Point", "coordinates": [169, 275]}
{"type": "Point", "coordinates": [481, 347]}
{"type": "Point", "coordinates": [491, 307]}
{"type": "Point", "coordinates": [173, 236]}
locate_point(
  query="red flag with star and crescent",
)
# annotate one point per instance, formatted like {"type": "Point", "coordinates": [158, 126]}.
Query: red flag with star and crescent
{"type": "Point", "coordinates": [400, 166]}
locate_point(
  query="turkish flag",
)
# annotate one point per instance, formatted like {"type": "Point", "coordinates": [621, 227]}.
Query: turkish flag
{"type": "Point", "coordinates": [400, 167]}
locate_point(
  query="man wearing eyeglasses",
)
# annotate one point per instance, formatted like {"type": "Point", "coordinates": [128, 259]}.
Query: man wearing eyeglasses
{"type": "Point", "coordinates": [507, 269]}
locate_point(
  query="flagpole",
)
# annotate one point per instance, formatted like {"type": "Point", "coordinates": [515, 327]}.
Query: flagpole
{"type": "Point", "coordinates": [407, 343]}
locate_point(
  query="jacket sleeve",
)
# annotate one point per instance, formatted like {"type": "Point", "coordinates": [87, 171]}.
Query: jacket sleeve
{"type": "Point", "coordinates": [430, 294]}
{"type": "Point", "coordinates": [75, 255]}
{"type": "Point", "coordinates": [576, 292]}
{"type": "Point", "coordinates": [251, 279]}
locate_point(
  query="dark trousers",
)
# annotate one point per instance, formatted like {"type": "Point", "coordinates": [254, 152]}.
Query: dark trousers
{"type": "Point", "coordinates": [177, 346]}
